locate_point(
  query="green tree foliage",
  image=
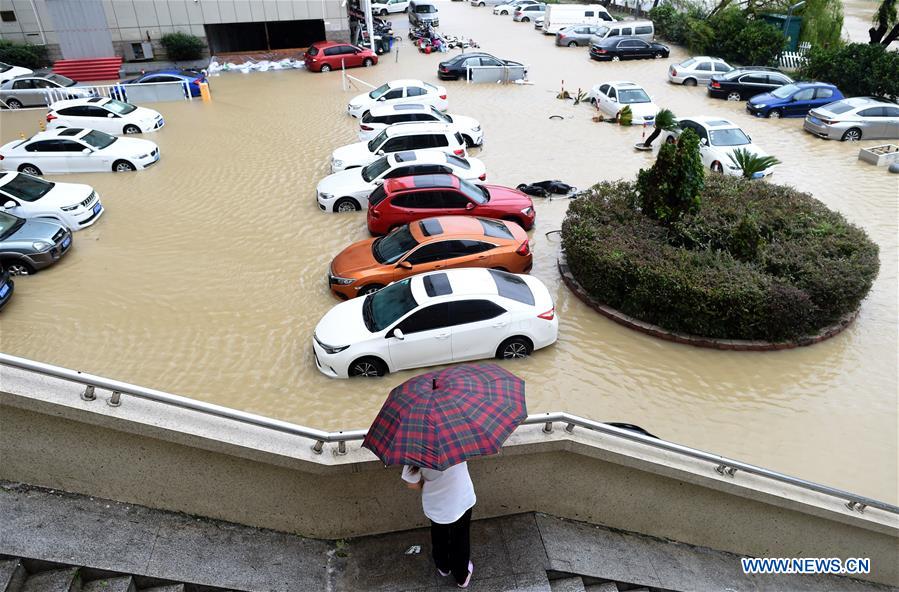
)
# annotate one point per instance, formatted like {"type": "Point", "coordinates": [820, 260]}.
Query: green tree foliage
{"type": "Point", "coordinates": [27, 56]}
{"type": "Point", "coordinates": [182, 46]}
{"type": "Point", "coordinates": [665, 121]}
{"type": "Point", "coordinates": [756, 261]}
{"type": "Point", "coordinates": [858, 69]}
{"type": "Point", "coordinates": [886, 29]}
{"type": "Point", "coordinates": [822, 23]}
{"type": "Point", "coordinates": [750, 163]}
{"type": "Point", "coordinates": [735, 36]}
{"type": "Point", "coordinates": [670, 189]}
{"type": "Point", "coordinates": [672, 19]}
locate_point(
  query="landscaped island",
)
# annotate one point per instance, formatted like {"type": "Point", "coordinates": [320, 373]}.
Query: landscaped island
{"type": "Point", "coordinates": [747, 260]}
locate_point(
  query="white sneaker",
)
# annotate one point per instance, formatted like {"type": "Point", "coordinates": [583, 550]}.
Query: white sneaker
{"type": "Point", "coordinates": [443, 573]}
{"type": "Point", "coordinates": [468, 579]}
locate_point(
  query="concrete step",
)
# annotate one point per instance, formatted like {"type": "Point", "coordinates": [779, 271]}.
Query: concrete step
{"type": "Point", "coordinates": [171, 588]}
{"type": "Point", "coordinates": [56, 580]}
{"type": "Point", "coordinates": [604, 587]}
{"type": "Point", "coordinates": [572, 584]}
{"type": "Point", "coordinates": [12, 575]}
{"type": "Point", "coordinates": [120, 584]}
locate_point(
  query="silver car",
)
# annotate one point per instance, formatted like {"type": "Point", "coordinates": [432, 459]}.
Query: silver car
{"type": "Point", "coordinates": [854, 119]}
{"type": "Point", "coordinates": [40, 90]}
{"type": "Point", "coordinates": [697, 69]}
{"type": "Point", "coordinates": [29, 245]}
{"type": "Point", "coordinates": [525, 14]}
{"type": "Point", "coordinates": [576, 35]}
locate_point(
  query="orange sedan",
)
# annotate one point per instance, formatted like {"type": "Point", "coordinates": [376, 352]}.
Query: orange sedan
{"type": "Point", "coordinates": [425, 245]}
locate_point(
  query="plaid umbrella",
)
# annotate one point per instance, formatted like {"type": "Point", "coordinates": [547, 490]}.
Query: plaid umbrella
{"type": "Point", "coordinates": [439, 419]}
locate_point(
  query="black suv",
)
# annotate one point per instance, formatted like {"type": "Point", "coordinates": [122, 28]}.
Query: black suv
{"type": "Point", "coordinates": [742, 83]}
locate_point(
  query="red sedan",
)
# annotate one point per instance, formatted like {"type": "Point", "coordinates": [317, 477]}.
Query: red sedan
{"type": "Point", "coordinates": [404, 199]}
{"type": "Point", "coordinates": [324, 56]}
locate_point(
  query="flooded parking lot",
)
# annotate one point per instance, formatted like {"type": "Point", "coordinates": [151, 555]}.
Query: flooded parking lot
{"type": "Point", "coordinates": [206, 275]}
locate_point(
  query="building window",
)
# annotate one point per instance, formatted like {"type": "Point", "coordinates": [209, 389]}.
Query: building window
{"type": "Point", "coordinates": [7, 16]}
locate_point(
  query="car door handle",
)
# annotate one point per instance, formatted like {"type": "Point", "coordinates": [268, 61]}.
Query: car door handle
{"type": "Point", "coordinates": [500, 324]}
{"type": "Point", "coordinates": [442, 335]}
{"type": "Point", "coordinates": [482, 257]}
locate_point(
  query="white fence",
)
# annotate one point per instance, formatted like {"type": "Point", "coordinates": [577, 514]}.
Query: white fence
{"type": "Point", "coordinates": [793, 60]}
{"type": "Point", "coordinates": [503, 74]}
{"type": "Point", "coordinates": [151, 92]}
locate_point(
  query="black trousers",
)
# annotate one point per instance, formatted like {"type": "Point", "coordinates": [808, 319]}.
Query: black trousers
{"type": "Point", "coordinates": [451, 546]}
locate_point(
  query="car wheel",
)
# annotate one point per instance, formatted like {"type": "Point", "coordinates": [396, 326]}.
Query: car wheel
{"type": "Point", "coordinates": [325, 68]}
{"type": "Point", "coordinates": [370, 289]}
{"type": "Point", "coordinates": [734, 96]}
{"type": "Point", "coordinates": [690, 82]}
{"type": "Point", "coordinates": [383, 12]}
{"type": "Point", "coordinates": [514, 348]}
{"type": "Point", "coordinates": [131, 129]}
{"type": "Point", "coordinates": [14, 104]}
{"type": "Point", "coordinates": [30, 169]}
{"type": "Point", "coordinates": [346, 204]}
{"type": "Point", "coordinates": [504, 13]}
{"type": "Point", "coordinates": [657, 55]}
{"type": "Point", "coordinates": [469, 143]}
{"type": "Point", "coordinates": [525, 20]}
{"type": "Point", "coordinates": [717, 168]}
{"type": "Point", "coordinates": [368, 368]}
{"type": "Point", "coordinates": [670, 140]}
{"type": "Point", "coordinates": [18, 267]}
{"type": "Point", "coordinates": [572, 44]}
{"type": "Point", "coordinates": [367, 63]}
{"type": "Point", "coordinates": [123, 166]}
{"type": "Point", "coordinates": [616, 58]}
{"type": "Point", "coordinates": [481, 4]}
{"type": "Point", "coordinates": [852, 135]}
{"type": "Point", "coordinates": [775, 114]}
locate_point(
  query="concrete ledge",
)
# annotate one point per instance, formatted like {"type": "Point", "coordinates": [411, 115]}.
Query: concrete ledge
{"type": "Point", "coordinates": [170, 458]}
{"type": "Point", "coordinates": [694, 340]}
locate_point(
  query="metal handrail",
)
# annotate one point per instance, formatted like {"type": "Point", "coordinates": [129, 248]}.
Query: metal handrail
{"type": "Point", "coordinates": [724, 466]}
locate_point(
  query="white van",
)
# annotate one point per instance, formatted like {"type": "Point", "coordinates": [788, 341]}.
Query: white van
{"type": "Point", "coordinates": [644, 30]}
{"type": "Point", "coordinates": [559, 16]}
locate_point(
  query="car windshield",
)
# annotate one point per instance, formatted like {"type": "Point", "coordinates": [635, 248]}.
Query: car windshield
{"type": "Point", "coordinates": [838, 107]}
{"type": "Point", "coordinates": [475, 193]}
{"type": "Point", "coordinates": [440, 116]}
{"type": "Point", "coordinates": [728, 137]}
{"type": "Point", "coordinates": [4, 67]}
{"type": "Point", "coordinates": [387, 305]}
{"type": "Point", "coordinates": [119, 107]}
{"type": "Point", "coordinates": [98, 139]}
{"type": "Point", "coordinates": [379, 91]}
{"type": "Point", "coordinates": [601, 31]}
{"type": "Point", "coordinates": [784, 91]}
{"type": "Point", "coordinates": [27, 188]}
{"type": "Point", "coordinates": [389, 249]}
{"type": "Point", "coordinates": [687, 64]}
{"type": "Point", "coordinates": [634, 95]}
{"type": "Point", "coordinates": [425, 9]}
{"type": "Point", "coordinates": [312, 51]}
{"type": "Point", "coordinates": [61, 80]}
{"type": "Point", "coordinates": [375, 169]}
{"type": "Point", "coordinates": [459, 162]}
{"type": "Point", "coordinates": [9, 224]}
{"type": "Point", "coordinates": [376, 141]}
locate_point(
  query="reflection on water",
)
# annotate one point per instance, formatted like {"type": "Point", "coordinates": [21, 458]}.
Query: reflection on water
{"type": "Point", "coordinates": [206, 275]}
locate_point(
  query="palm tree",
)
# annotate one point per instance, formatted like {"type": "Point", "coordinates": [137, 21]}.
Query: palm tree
{"type": "Point", "coordinates": [750, 163]}
{"type": "Point", "coordinates": [665, 121]}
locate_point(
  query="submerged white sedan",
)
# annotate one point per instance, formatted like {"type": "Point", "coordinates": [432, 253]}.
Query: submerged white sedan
{"type": "Point", "coordinates": [436, 318]}
{"type": "Point", "coordinates": [76, 150]}
{"type": "Point", "coordinates": [104, 114]}
{"type": "Point", "coordinates": [612, 97]}
{"type": "Point", "coordinates": [398, 92]}
{"type": "Point", "coordinates": [718, 139]}
{"type": "Point", "coordinates": [73, 205]}
{"type": "Point", "coordinates": [348, 190]}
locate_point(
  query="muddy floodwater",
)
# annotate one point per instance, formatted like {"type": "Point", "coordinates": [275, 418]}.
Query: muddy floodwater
{"type": "Point", "coordinates": [206, 275]}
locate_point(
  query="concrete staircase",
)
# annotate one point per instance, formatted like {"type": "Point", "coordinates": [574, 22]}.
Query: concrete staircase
{"type": "Point", "coordinates": [570, 583]}
{"type": "Point", "coordinates": [18, 574]}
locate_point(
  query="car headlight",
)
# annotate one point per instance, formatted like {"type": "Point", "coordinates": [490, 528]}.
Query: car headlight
{"type": "Point", "coordinates": [760, 105]}
{"type": "Point", "coordinates": [354, 106]}
{"type": "Point", "coordinates": [342, 281]}
{"type": "Point", "coordinates": [325, 195]}
{"type": "Point", "coordinates": [69, 208]}
{"type": "Point", "coordinates": [476, 128]}
{"type": "Point", "coordinates": [41, 245]}
{"type": "Point", "coordinates": [337, 162]}
{"type": "Point", "coordinates": [527, 211]}
{"type": "Point", "coordinates": [331, 349]}
{"type": "Point", "coordinates": [142, 156]}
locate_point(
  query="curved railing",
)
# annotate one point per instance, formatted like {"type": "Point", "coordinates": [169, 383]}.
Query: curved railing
{"type": "Point", "coordinates": [723, 466]}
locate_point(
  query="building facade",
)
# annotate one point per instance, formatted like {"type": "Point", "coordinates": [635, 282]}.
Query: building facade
{"type": "Point", "coordinates": [74, 29]}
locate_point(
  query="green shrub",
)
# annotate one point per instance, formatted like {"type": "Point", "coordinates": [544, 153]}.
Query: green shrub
{"type": "Point", "coordinates": [27, 56]}
{"type": "Point", "coordinates": [732, 35]}
{"type": "Point", "coordinates": [671, 188]}
{"type": "Point", "coordinates": [672, 19]}
{"type": "Point", "coordinates": [756, 261]}
{"type": "Point", "coordinates": [182, 46]}
{"type": "Point", "coordinates": [858, 69]}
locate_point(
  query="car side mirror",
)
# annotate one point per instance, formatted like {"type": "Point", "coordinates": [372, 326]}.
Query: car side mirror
{"type": "Point", "coordinates": [380, 153]}
{"type": "Point", "coordinates": [404, 264]}
{"type": "Point", "coordinates": [110, 115]}
{"type": "Point", "coordinates": [9, 205]}
{"type": "Point", "coordinates": [382, 98]}
{"type": "Point", "coordinates": [86, 151]}
{"type": "Point", "coordinates": [469, 206]}
{"type": "Point", "coordinates": [703, 141]}
{"type": "Point", "coordinates": [398, 333]}
{"type": "Point", "coordinates": [378, 182]}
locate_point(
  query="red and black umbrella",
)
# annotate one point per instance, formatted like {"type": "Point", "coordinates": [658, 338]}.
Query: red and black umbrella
{"type": "Point", "coordinates": [439, 419]}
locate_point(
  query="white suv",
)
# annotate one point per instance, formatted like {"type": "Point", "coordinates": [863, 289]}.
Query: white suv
{"type": "Point", "coordinates": [399, 137]}
{"type": "Point", "coordinates": [348, 190]}
{"type": "Point", "coordinates": [436, 318]}
{"type": "Point", "coordinates": [380, 117]}
{"type": "Point", "coordinates": [104, 114]}
{"type": "Point", "coordinates": [73, 205]}
{"type": "Point", "coordinates": [397, 92]}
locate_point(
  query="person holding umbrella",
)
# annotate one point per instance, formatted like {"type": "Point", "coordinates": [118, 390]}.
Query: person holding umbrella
{"type": "Point", "coordinates": [432, 424]}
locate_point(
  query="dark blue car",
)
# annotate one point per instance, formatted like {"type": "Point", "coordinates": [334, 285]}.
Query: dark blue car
{"type": "Point", "coordinates": [191, 79]}
{"type": "Point", "coordinates": [793, 100]}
